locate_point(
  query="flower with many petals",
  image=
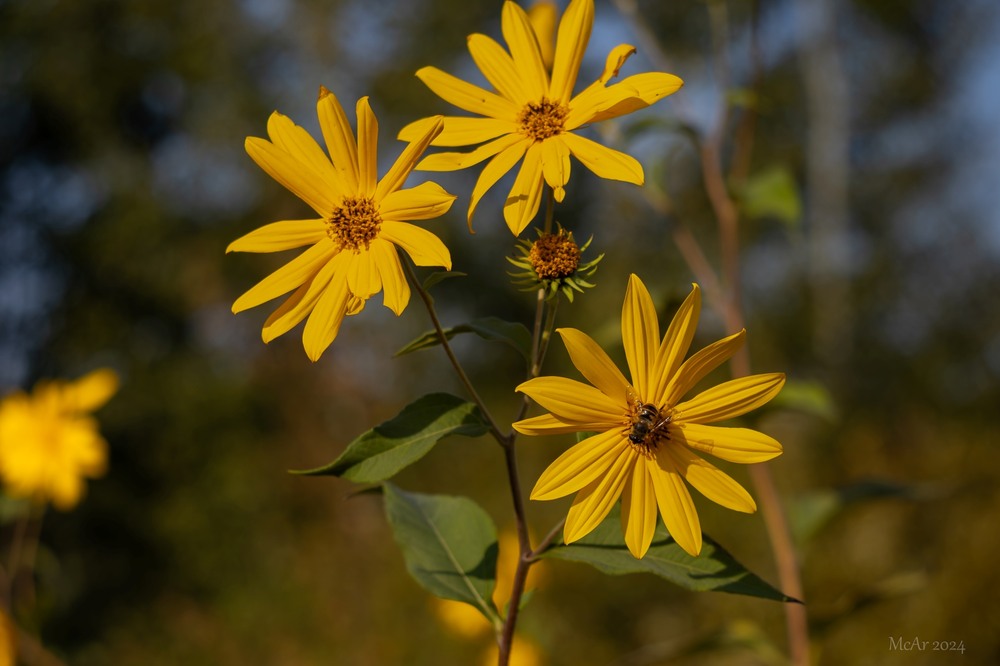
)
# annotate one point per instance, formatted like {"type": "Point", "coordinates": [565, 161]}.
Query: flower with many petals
{"type": "Point", "coordinates": [49, 442]}
{"type": "Point", "coordinates": [532, 115]}
{"type": "Point", "coordinates": [352, 252]}
{"type": "Point", "coordinates": [648, 438]}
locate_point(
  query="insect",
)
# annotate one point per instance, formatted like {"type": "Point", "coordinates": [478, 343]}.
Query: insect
{"type": "Point", "coordinates": [647, 421]}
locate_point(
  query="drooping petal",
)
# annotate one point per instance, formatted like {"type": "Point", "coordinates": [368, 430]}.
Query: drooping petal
{"type": "Point", "coordinates": [676, 505]}
{"type": "Point", "coordinates": [454, 161]}
{"type": "Point", "coordinates": [640, 335]}
{"type": "Point", "coordinates": [339, 138]}
{"type": "Point", "coordinates": [278, 236]}
{"type": "Point", "coordinates": [423, 202]}
{"type": "Point", "coordinates": [649, 88]}
{"type": "Point", "coordinates": [731, 399]}
{"type": "Point", "coordinates": [526, 194]}
{"type": "Point", "coordinates": [424, 248]}
{"type": "Point", "coordinates": [524, 50]}
{"type": "Point", "coordinates": [467, 96]}
{"type": "Point", "coordinates": [288, 277]}
{"type": "Point", "coordinates": [593, 363]}
{"type": "Point", "coordinates": [638, 511]}
{"type": "Point", "coordinates": [297, 307]}
{"type": "Point", "coordinates": [555, 166]}
{"type": "Point", "coordinates": [604, 161]}
{"type": "Point", "coordinates": [574, 402]}
{"type": "Point", "coordinates": [546, 424]}
{"type": "Point", "coordinates": [284, 168]}
{"type": "Point", "coordinates": [407, 160]}
{"type": "Point", "coordinates": [324, 321]}
{"type": "Point", "coordinates": [90, 391]}
{"type": "Point", "coordinates": [297, 142]}
{"type": "Point", "coordinates": [580, 465]}
{"type": "Point", "coordinates": [397, 290]}
{"type": "Point", "coordinates": [700, 364]}
{"type": "Point", "coordinates": [593, 503]}
{"type": "Point", "coordinates": [498, 67]}
{"type": "Point", "coordinates": [367, 148]}
{"type": "Point", "coordinates": [707, 479]}
{"type": "Point", "coordinates": [615, 60]}
{"type": "Point", "coordinates": [674, 346]}
{"type": "Point", "coordinates": [571, 43]}
{"type": "Point", "coordinates": [739, 445]}
{"type": "Point", "coordinates": [494, 170]}
{"type": "Point", "coordinates": [362, 275]}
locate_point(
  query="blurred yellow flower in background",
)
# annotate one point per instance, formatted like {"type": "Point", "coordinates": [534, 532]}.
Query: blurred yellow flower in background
{"type": "Point", "coordinates": [49, 442]}
{"type": "Point", "coordinates": [532, 115]}
{"type": "Point", "coordinates": [363, 220]}
{"type": "Point", "coordinates": [646, 442]}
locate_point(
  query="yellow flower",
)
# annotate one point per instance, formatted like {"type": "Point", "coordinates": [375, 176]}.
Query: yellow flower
{"type": "Point", "coordinates": [49, 442]}
{"type": "Point", "coordinates": [532, 116]}
{"type": "Point", "coordinates": [362, 220]}
{"type": "Point", "coordinates": [647, 438]}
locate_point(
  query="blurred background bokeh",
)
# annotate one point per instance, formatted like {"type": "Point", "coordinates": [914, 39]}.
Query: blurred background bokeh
{"type": "Point", "coordinates": [871, 259]}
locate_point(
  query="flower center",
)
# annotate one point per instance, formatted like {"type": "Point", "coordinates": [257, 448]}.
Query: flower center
{"type": "Point", "coordinates": [354, 224]}
{"type": "Point", "coordinates": [540, 120]}
{"type": "Point", "coordinates": [647, 425]}
{"type": "Point", "coordinates": [555, 256]}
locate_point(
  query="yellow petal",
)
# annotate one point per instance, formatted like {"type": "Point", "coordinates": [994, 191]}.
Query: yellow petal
{"type": "Point", "coordinates": [731, 399]}
{"type": "Point", "coordinates": [424, 248]}
{"type": "Point", "coordinates": [401, 168]}
{"type": "Point", "coordinates": [544, 16]}
{"type": "Point", "coordinates": [674, 346]}
{"type": "Point", "coordinates": [278, 236]}
{"type": "Point", "coordinates": [397, 291]}
{"type": "Point", "coordinates": [604, 161]}
{"type": "Point", "coordinates": [649, 88]}
{"type": "Point", "coordinates": [676, 506]}
{"type": "Point", "coordinates": [298, 306]}
{"type": "Point", "coordinates": [594, 100]}
{"type": "Point", "coordinates": [367, 148]}
{"type": "Point", "coordinates": [740, 445]}
{"type": "Point", "coordinates": [297, 142]}
{"type": "Point", "coordinates": [525, 196]}
{"type": "Point", "coordinates": [467, 96]}
{"type": "Point", "coordinates": [339, 138]}
{"type": "Point", "coordinates": [546, 424]}
{"type": "Point", "coordinates": [91, 391]}
{"type": "Point", "coordinates": [527, 57]}
{"type": "Point", "coordinates": [324, 321]}
{"type": "Point", "coordinates": [460, 131]}
{"type": "Point", "coordinates": [302, 182]}
{"type": "Point", "coordinates": [495, 169]}
{"type": "Point", "coordinates": [640, 335]}
{"type": "Point", "coordinates": [288, 277]}
{"type": "Point", "coordinates": [454, 161]}
{"type": "Point", "coordinates": [638, 511]}
{"type": "Point", "coordinates": [707, 479]}
{"type": "Point", "coordinates": [574, 402]}
{"type": "Point", "coordinates": [498, 67]}
{"type": "Point", "coordinates": [423, 202]}
{"type": "Point", "coordinates": [616, 58]}
{"type": "Point", "coordinates": [593, 363]}
{"type": "Point", "coordinates": [592, 504]}
{"type": "Point", "coordinates": [555, 166]}
{"type": "Point", "coordinates": [580, 465]}
{"type": "Point", "coordinates": [362, 276]}
{"type": "Point", "coordinates": [700, 364]}
{"type": "Point", "coordinates": [571, 43]}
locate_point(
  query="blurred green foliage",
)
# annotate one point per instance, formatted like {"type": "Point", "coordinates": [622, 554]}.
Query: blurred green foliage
{"type": "Point", "coordinates": [123, 178]}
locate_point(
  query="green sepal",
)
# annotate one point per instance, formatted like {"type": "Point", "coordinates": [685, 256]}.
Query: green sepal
{"type": "Point", "coordinates": [381, 452]}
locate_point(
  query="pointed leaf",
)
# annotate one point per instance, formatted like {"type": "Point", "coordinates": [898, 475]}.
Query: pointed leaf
{"type": "Point", "coordinates": [713, 570]}
{"type": "Point", "coordinates": [438, 276]}
{"type": "Point", "coordinates": [402, 440]}
{"type": "Point", "coordinates": [488, 328]}
{"type": "Point", "coordinates": [449, 544]}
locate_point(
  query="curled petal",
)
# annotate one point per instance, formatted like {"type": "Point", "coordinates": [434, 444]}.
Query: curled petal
{"type": "Point", "coordinates": [616, 58]}
{"type": "Point", "coordinates": [646, 89]}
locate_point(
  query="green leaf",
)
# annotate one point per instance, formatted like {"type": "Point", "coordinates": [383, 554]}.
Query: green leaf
{"type": "Point", "coordinates": [449, 544]}
{"type": "Point", "coordinates": [402, 440]}
{"type": "Point", "coordinates": [809, 397]}
{"type": "Point", "coordinates": [438, 276]}
{"type": "Point", "coordinates": [489, 328]}
{"type": "Point", "coordinates": [809, 513]}
{"type": "Point", "coordinates": [713, 570]}
{"type": "Point", "coordinates": [772, 193]}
